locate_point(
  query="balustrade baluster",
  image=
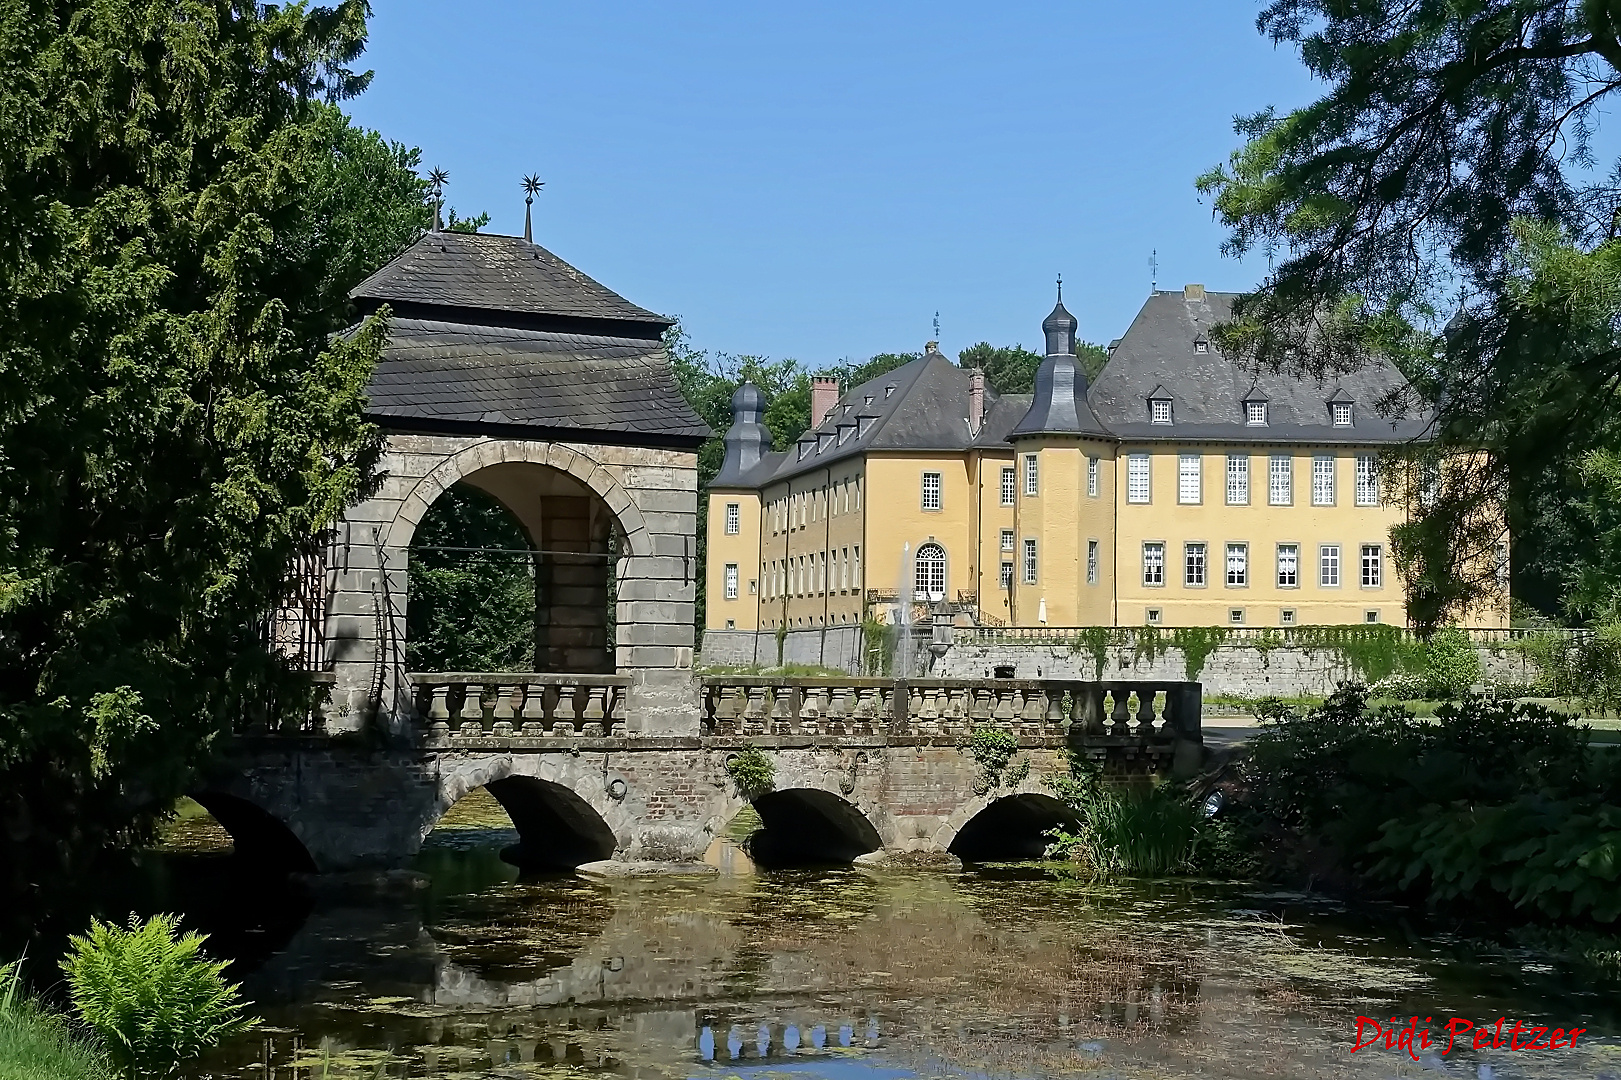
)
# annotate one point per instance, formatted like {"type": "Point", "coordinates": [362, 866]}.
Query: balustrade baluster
{"type": "Point", "coordinates": [1145, 711]}
{"type": "Point", "coordinates": [1006, 708]}
{"type": "Point", "coordinates": [533, 709]}
{"type": "Point", "coordinates": [566, 716]}
{"type": "Point", "coordinates": [1121, 717]}
{"type": "Point", "coordinates": [1053, 720]}
{"type": "Point", "coordinates": [471, 712]}
{"type": "Point", "coordinates": [595, 711]}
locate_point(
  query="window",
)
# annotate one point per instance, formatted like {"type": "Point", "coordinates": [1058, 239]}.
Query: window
{"type": "Point", "coordinates": [734, 519]}
{"type": "Point", "coordinates": [1286, 617]}
{"type": "Point", "coordinates": [1159, 411]}
{"type": "Point", "coordinates": [1154, 564]}
{"type": "Point", "coordinates": [1429, 483]}
{"type": "Point", "coordinates": [1009, 485]}
{"type": "Point", "coordinates": [1238, 565]}
{"type": "Point", "coordinates": [1288, 566]}
{"type": "Point", "coordinates": [1152, 616]}
{"type": "Point", "coordinates": [855, 567]}
{"type": "Point", "coordinates": [1189, 489]}
{"type": "Point", "coordinates": [731, 624]}
{"type": "Point", "coordinates": [1372, 566]}
{"type": "Point", "coordinates": [1367, 480]}
{"type": "Point", "coordinates": [1092, 476]}
{"type": "Point", "coordinates": [1328, 566]}
{"type": "Point", "coordinates": [1007, 539]}
{"type": "Point", "coordinates": [1030, 475]}
{"type": "Point", "coordinates": [1137, 478]}
{"type": "Point", "coordinates": [858, 493]}
{"type": "Point", "coordinates": [1342, 414]}
{"type": "Point", "coordinates": [731, 581]}
{"type": "Point", "coordinates": [1029, 561]}
{"type": "Point", "coordinates": [1201, 345]}
{"type": "Point", "coordinates": [929, 571]}
{"type": "Point", "coordinates": [821, 574]}
{"type": "Point", "coordinates": [1255, 412]}
{"type": "Point", "coordinates": [1238, 479]}
{"type": "Point", "coordinates": [1322, 480]}
{"type": "Point", "coordinates": [1280, 485]}
{"type": "Point", "coordinates": [1235, 616]}
{"type": "Point", "coordinates": [1193, 565]}
{"type": "Point", "coordinates": [1371, 615]}
{"type": "Point", "coordinates": [1091, 562]}
{"type": "Point", "coordinates": [931, 491]}
{"type": "Point", "coordinates": [1007, 576]}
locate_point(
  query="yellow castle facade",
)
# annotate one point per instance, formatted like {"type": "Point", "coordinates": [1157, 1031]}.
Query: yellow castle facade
{"type": "Point", "coordinates": [1177, 490]}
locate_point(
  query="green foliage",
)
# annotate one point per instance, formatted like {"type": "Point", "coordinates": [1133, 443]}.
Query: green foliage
{"type": "Point", "coordinates": [993, 749]}
{"type": "Point", "coordinates": [1489, 804]}
{"type": "Point", "coordinates": [1012, 369]}
{"type": "Point", "coordinates": [1586, 667]}
{"type": "Point", "coordinates": [470, 611]}
{"type": "Point", "coordinates": [753, 773]}
{"type": "Point", "coordinates": [37, 1044]}
{"type": "Point", "coordinates": [1095, 642]}
{"type": "Point", "coordinates": [151, 995]}
{"type": "Point", "coordinates": [453, 223]}
{"type": "Point", "coordinates": [1197, 643]}
{"type": "Point", "coordinates": [1144, 830]}
{"type": "Point", "coordinates": [878, 644]}
{"type": "Point", "coordinates": [1451, 663]}
{"type": "Point", "coordinates": [179, 237]}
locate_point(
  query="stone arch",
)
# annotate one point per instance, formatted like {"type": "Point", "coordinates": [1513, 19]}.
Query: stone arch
{"type": "Point", "coordinates": [811, 825]}
{"type": "Point", "coordinates": [558, 828]}
{"type": "Point", "coordinates": [260, 838]}
{"type": "Point", "coordinates": [1006, 827]}
{"type": "Point", "coordinates": [576, 463]}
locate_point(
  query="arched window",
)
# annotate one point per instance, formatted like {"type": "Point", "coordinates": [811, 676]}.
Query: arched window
{"type": "Point", "coordinates": [929, 572]}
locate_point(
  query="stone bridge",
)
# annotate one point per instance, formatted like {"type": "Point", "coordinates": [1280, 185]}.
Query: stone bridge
{"type": "Point", "coordinates": [861, 767]}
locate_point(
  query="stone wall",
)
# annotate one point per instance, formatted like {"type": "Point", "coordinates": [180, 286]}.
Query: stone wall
{"type": "Point", "coordinates": [838, 647]}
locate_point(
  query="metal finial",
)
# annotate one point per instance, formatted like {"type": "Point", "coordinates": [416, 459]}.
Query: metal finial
{"type": "Point", "coordinates": [1060, 288]}
{"type": "Point", "coordinates": [437, 178]}
{"type": "Point", "coordinates": [937, 326]}
{"type": "Point", "coordinates": [531, 187]}
{"type": "Point", "coordinates": [1153, 270]}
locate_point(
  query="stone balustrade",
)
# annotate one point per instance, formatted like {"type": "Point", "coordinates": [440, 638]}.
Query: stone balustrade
{"type": "Point", "coordinates": [1090, 711]}
{"type": "Point", "coordinates": [521, 704]}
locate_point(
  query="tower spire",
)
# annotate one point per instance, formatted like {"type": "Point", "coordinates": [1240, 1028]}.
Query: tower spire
{"type": "Point", "coordinates": [531, 187]}
{"type": "Point", "coordinates": [1060, 288]}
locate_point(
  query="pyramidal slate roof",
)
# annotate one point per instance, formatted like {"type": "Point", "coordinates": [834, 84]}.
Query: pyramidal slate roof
{"type": "Point", "coordinates": [496, 335]}
{"type": "Point", "coordinates": [1160, 356]}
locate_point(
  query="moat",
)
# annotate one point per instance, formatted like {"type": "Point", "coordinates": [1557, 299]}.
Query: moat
{"type": "Point", "coordinates": [464, 970]}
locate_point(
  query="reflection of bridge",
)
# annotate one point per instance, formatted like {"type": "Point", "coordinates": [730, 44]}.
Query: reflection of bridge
{"type": "Point", "coordinates": [510, 372]}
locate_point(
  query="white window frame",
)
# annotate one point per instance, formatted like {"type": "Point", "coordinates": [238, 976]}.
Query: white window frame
{"type": "Point", "coordinates": [1238, 479]}
{"type": "Point", "coordinates": [734, 519]}
{"type": "Point", "coordinates": [1153, 564]}
{"type": "Point", "coordinates": [929, 570]}
{"type": "Point", "coordinates": [1280, 480]}
{"type": "Point", "coordinates": [1288, 566]}
{"type": "Point", "coordinates": [1031, 565]}
{"type": "Point", "coordinates": [1322, 480]}
{"type": "Point", "coordinates": [1091, 562]}
{"type": "Point", "coordinates": [731, 581]}
{"type": "Point", "coordinates": [1367, 480]}
{"type": "Point", "coordinates": [1139, 479]}
{"type": "Point", "coordinates": [932, 497]}
{"type": "Point", "coordinates": [1195, 564]}
{"type": "Point", "coordinates": [1093, 470]}
{"type": "Point", "coordinates": [1342, 414]}
{"type": "Point", "coordinates": [1189, 479]}
{"type": "Point", "coordinates": [1032, 476]}
{"type": "Point", "coordinates": [1005, 580]}
{"type": "Point", "coordinates": [855, 567]}
{"type": "Point", "coordinates": [1255, 413]}
{"type": "Point", "coordinates": [1373, 566]}
{"type": "Point", "coordinates": [1238, 565]}
{"type": "Point", "coordinates": [1007, 540]}
{"type": "Point", "coordinates": [1010, 484]}
{"type": "Point", "coordinates": [1159, 410]}
{"type": "Point", "coordinates": [1330, 572]}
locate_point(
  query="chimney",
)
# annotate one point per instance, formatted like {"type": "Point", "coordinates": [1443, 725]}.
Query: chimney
{"type": "Point", "coordinates": [976, 401]}
{"type": "Point", "coordinates": [824, 395]}
{"type": "Point", "coordinates": [1193, 292]}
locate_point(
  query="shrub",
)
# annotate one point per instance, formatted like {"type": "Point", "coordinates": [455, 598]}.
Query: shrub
{"type": "Point", "coordinates": [993, 748]}
{"type": "Point", "coordinates": [151, 995]}
{"type": "Point", "coordinates": [1147, 831]}
{"type": "Point", "coordinates": [1451, 664]}
{"type": "Point", "coordinates": [753, 772]}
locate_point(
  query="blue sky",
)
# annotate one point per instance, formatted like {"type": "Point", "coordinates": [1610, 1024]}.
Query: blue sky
{"type": "Point", "coordinates": [817, 180]}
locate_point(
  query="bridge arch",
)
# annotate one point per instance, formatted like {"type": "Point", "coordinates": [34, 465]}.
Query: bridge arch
{"type": "Point", "coordinates": [258, 837]}
{"type": "Point", "coordinates": [1005, 828]}
{"type": "Point", "coordinates": [810, 825]}
{"type": "Point", "coordinates": [558, 827]}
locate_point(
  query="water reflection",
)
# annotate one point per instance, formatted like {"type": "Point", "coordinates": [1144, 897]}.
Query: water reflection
{"type": "Point", "coordinates": [475, 971]}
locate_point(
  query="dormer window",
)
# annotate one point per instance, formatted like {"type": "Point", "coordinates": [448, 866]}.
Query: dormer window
{"type": "Point", "coordinates": [844, 432]}
{"type": "Point", "coordinates": [1201, 345]}
{"type": "Point", "coordinates": [1342, 413]}
{"type": "Point", "coordinates": [1255, 413]}
{"type": "Point", "coordinates": [1159, 410]}
{"type": "Point", "coordinates": [863, 425]}
{"type": "Point", "coordinates": [805, 446]}
{"type": "Point", "coordinates": [889, 389]}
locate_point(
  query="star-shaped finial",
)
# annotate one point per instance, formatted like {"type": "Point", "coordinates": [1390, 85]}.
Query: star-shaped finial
{"type": "Point", "coordinates": [531, 186]}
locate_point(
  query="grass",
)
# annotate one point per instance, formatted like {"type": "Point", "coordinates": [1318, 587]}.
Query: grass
{"type": "Point", "coordinates": [37, 1044]}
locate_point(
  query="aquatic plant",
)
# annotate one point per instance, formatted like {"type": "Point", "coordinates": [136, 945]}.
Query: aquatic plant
{"type": "Point", "coordinates": [753, 772]}
{"type": "Point", "coordinates": [1141, 831]}
{"type": "Point", "coordinates": [151, 994]}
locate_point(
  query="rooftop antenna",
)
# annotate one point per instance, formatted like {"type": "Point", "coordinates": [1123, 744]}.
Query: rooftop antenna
{"type": "Point", "coordinates": [531, 187]}
{"type": "Point", "coordinates": [436, 185]}
{"type": "Point", "coordinates": [1153, 270]}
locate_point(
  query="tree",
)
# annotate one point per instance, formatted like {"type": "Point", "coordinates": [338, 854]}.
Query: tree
{"type": "Point", "coordinates": [1441, 206]}
{"type": "Point", "coordinates": [1012, 370]}
{"type": "Point", "coordinates": [183, 215]}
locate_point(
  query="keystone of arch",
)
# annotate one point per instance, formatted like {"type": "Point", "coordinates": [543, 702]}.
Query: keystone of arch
{"type": "Point", "coordinates": [571, 460]}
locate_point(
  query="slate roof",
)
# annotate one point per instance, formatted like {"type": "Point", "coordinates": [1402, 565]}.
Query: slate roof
{"type": "Point", "coordinates": [459, 374]}
{"type": "Point", "coordinates": [491, 273]}
{"type": "Point", "coordinates": [1208, 391]}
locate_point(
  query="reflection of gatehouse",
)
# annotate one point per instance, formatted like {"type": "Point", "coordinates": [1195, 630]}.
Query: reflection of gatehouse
{"type": "Point", "coordinates": [511, 373]}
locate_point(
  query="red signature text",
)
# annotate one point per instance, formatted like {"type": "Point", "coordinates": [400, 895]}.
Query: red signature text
{"type": "Point", "coordinates": [1413, 1036]}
